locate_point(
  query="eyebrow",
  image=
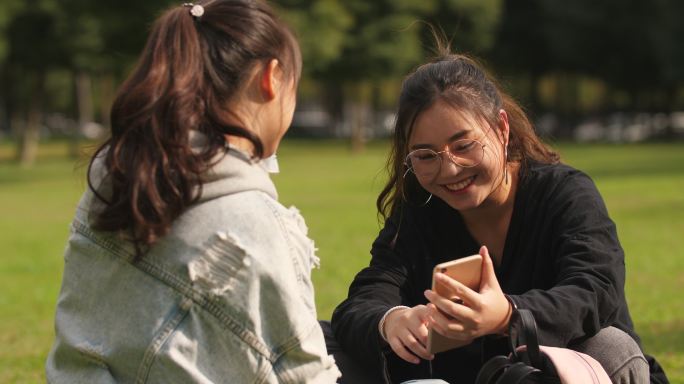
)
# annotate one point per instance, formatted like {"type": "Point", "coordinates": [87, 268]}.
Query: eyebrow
{"type": "Point", "coordinates": [453, 137]}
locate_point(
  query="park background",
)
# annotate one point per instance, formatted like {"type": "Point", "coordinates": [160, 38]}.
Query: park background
{"type": "Point", "coordinates": [602, 80]}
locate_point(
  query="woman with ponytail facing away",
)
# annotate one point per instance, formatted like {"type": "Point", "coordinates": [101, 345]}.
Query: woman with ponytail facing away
{"type": "Point", "coordinates": [181, 265]}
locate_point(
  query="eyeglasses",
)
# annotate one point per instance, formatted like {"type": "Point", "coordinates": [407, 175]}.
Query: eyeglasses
{"type": "Point", "coordinates": [465, 153]}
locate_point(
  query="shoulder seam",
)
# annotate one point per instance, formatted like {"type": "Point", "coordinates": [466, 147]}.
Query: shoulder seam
{"type": "Point", "coordinates": [160, 339]}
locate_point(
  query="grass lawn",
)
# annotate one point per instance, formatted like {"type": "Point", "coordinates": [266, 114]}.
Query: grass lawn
{"type": "Point", "coordinates": [642, 184]}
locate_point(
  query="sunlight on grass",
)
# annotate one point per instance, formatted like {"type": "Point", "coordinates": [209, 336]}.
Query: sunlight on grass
{"type": "Point", "coordinates": [641, 184]}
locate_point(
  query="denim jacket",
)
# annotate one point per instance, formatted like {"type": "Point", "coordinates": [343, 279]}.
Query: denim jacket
{"type": "Point", "coordinates": [225, 297]}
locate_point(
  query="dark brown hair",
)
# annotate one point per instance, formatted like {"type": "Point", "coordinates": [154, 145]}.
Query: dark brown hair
{"type": "Point", "coordinates": [464, 84]}
{"type": "Point", "coordinates": [188, 72]}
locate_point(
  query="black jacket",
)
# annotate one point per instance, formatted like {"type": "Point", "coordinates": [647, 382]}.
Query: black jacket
{"type": "Point", "coordinates": [562, 260]}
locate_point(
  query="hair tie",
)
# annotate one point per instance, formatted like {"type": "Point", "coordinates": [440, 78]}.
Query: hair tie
{"type": "Point", "coordinates": [196, 10]}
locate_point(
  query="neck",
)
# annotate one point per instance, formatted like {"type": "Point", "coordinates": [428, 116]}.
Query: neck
{"type": "Point", "coordinates": [499, 204]}
{"type": "Point", "coordinates": [242, 114]}
{"type": "Point", "coordinates": [240, 143]}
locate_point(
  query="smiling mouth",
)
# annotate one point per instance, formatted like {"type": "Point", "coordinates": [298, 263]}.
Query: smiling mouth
{"type": "Point", "coordinates": [456, 187]}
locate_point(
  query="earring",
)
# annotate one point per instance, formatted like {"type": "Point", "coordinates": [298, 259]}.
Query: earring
{"type": "Point", "coordinates": [506, 164]}
{"type": "Point", "coordinates": [406, 173]}
{"type": "Point", "coordinates": [403, 193]}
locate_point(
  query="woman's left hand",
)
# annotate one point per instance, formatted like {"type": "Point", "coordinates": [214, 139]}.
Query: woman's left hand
{"type": "Point", "coordinates": [481, 313]}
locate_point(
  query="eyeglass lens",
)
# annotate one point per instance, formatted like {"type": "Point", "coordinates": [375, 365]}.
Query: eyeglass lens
{"type": "Point", "coordinates": [464, 153]}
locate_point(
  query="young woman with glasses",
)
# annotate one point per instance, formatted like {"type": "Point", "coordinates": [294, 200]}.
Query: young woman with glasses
{"type": "Point", "coordinates": [182, 266]}
{"type": "Point", "coordinates": [467, 175]}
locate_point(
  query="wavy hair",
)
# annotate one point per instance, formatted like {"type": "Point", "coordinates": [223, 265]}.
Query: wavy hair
{"type": "Point", "coordinates": [189, 71]}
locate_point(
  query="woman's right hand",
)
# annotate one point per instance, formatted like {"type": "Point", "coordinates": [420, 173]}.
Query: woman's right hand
{"type": "Point", "coordinates": [407, 333]}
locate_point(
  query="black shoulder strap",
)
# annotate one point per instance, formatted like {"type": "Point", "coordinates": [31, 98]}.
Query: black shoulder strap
{"type": "Point", "coordinates": [523, 331]}
{"type": "Point", "coordinates": [516, 373]}
{"type": "Point", "coordinates": [492, 369]}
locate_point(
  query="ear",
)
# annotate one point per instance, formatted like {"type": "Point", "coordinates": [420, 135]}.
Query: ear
{"type": "Point", "coordinates": [504, 128]}
{"type": "Point", "coordinates": [270, 80]}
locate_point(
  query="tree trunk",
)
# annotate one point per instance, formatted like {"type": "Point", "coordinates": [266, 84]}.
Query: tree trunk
{"type": "Point", "coordinates": [333, 102]}
{"type": "Point", "coordinates": [106, 99]}
{"type": "Point", "coordinates": [359, 112]}
{"type": "Point", "coordinates": [535, 103]}
{"type": "Point", "coordinates": [670, 106]}
{"type": "Point", "coordinates": [5, 122]}
{"type": "Point", "coordinates": [359, 117]}
{"type": "Point", "coordinates": [4, 118]}
{"type": "Point", "coordinates": [84, 106]}
{"type": "Point", "coordinates": [567, 102]}
{"type": "Point", "coordinates": [30, 134]}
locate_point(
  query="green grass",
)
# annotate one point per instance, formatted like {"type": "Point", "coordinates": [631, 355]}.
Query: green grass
{"type": "Point", "coordinates": [643, 186]}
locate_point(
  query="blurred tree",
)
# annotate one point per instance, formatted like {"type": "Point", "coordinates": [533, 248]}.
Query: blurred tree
{"type": "Point", "coordinates": [321, 27]}
{"type": "Point", "coordinates": [378, 43]}
{"type": "Point", "coordinates": [355, 51]}
{"type": "Point", "coordinates": [84, 40]}
{"type": "Point", "coordinates": [628, 44]}
{"type": "Point", "coordinates": [10, 8]}
{"type": "Point", "coordinates": [634, 49]}
{"type": "Point", "coordinates": [88, 38]}
{"type": "Point", "coordinates": [105, 37]}
{"type": "Point", "coordinates": [523, 46]}
{"type": "Point", "coordinates": [570, 30]}
{"type": "Point", "coordinates": [372, 42]}
{"type": "Point", "coordinates": [352, 48]}
{"type": "Point", "coordinates": [34, 49]}
{"type": "Point", "coordinates": [384, 43]}
{"type": "Point", "coordinates": [470, 25]}
{"type": "Point", "coordinates": [675, 54]}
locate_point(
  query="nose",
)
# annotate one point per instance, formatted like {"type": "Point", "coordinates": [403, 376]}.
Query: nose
{"type": "Point", "coordinates": [448, 165]}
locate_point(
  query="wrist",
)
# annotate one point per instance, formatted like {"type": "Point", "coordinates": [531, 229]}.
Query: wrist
{"type": "Point", "coordinates": [383, 320]}
{"type": "Point", "coordinates": [512, 307]}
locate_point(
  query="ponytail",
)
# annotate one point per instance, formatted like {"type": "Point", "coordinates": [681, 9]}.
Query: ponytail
{"type": "Point", "coordinates": [190, 69]}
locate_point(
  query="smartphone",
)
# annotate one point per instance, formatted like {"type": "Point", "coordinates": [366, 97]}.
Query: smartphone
{"type": "Point", "coordinates": [467, 271]}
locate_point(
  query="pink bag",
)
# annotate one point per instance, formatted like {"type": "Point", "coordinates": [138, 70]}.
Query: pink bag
{"type": "Point", "coordinates": [530, 363]}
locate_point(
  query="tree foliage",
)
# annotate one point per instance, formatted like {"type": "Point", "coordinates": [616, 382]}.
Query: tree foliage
{"type": "Point", "coordinates": [631, 45]}
{"type": "Point", "coordinates": [321, 27]}
{"type": "Point", "coordinates": [353, 46]}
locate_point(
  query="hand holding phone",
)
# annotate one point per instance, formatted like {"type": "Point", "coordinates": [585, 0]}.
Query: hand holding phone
{"type": "Point", "coordinates": [468, 271]}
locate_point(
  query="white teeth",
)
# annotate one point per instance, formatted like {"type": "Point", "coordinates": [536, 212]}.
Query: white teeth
{"type": "Point", "coordinates": [461, 185]}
